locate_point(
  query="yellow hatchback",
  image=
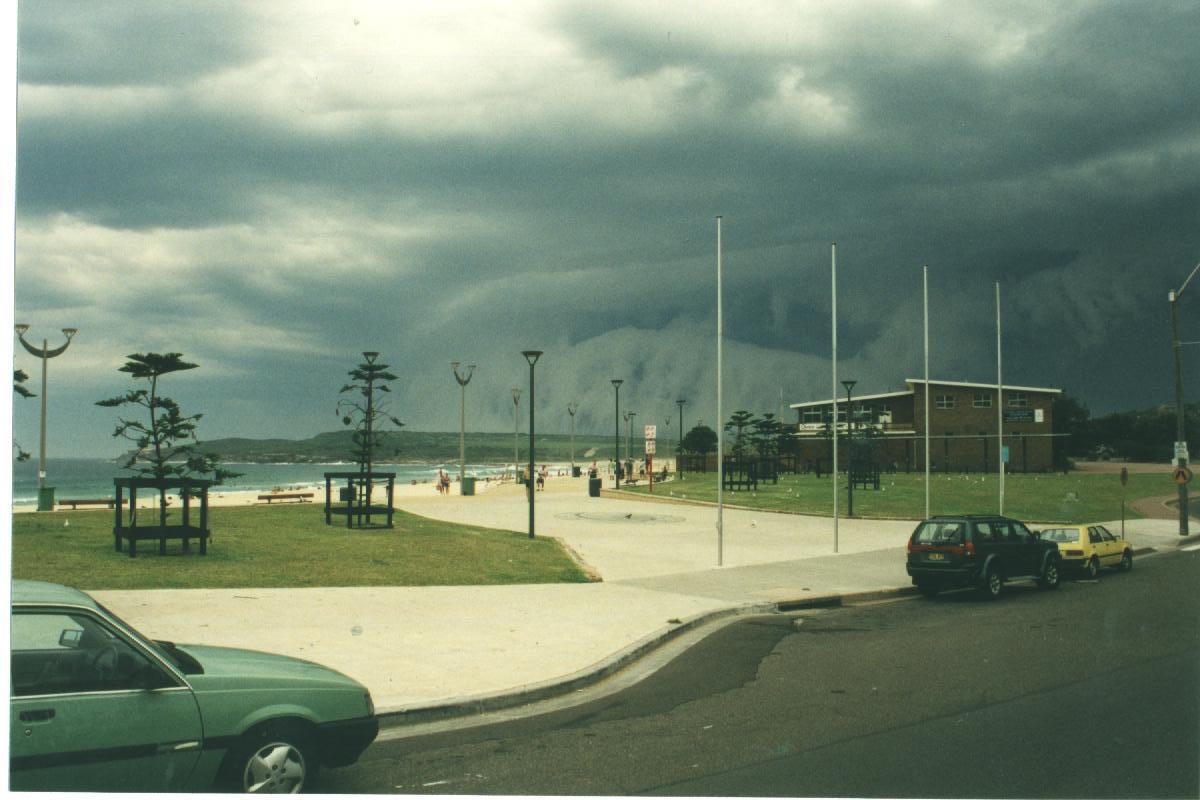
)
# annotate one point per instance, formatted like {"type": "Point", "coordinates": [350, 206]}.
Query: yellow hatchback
{"type": "Point", "coordinates": [1087, 548]}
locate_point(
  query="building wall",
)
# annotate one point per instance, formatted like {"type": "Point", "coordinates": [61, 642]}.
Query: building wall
{"type": "Point", "coordinates": [963, 435]}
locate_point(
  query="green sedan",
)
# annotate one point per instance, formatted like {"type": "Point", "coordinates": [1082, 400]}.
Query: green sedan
{"type": "Point", "coordinates": [98, 707]}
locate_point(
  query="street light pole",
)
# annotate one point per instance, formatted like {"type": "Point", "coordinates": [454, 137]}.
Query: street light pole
{"type": "Point", "coordinates": [629, 415]}
{"type": "Point", "coordinates": [679, 443]}
{"type": "Point", "coordinates": [45, 499]}
{"type": "Point", "coordinates": [571, 409]}
{"type": "Point", "coordinates": [616, 382]}
{"type": "Point", "coordinates": [531, 356]}
{"type": "Point", "coordinates": [1180, 432]}
{"type": "Point", "coordinates": [462, 420]}
{"type": "Point", "coordinates": [849, 449]}
{"type": "Point", "coordinates": [516, 395]}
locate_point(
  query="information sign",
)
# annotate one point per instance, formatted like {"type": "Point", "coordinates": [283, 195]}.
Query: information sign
{"type": "Point", "coordinates": [649, 447]}
{"type": "Point", "coordinates": [651, 431]}
{"type": "Point", "coordinates": [1181, 451]}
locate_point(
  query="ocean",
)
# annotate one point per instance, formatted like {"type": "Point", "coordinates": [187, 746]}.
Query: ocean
{"type": "Point", "coordinates": [87, 478]}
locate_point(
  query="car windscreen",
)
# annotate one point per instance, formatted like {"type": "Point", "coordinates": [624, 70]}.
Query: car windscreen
{"type": "Point", "coordinates": [939, 533]}
{"type": "Point", "coordinates": [1066, 535]}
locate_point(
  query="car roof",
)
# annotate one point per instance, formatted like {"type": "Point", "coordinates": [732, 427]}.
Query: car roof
{"type": "Point", "coordinates": [34, 592]}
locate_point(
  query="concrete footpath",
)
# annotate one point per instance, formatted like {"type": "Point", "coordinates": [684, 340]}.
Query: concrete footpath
{"type": "Point", "coordinates": [440, 651]}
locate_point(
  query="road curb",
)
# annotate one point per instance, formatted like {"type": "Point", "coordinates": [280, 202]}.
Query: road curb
{"type": "Point", "coordinates": [522, 695]}
{"type": "Point", "coordinates": [555, 687]}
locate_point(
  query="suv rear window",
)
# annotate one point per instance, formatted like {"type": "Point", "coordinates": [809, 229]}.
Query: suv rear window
{"type": "Point", "coordinates": [939, 533]}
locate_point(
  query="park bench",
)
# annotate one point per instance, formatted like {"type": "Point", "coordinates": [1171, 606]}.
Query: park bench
{"type": "Point", "coordinates": [100, 501]}
{"type": "Point", "coordinates": [302, 497]}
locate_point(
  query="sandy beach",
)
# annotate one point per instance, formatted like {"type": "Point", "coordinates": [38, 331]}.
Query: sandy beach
{"type": "Point", "coordinates": [220, 497]}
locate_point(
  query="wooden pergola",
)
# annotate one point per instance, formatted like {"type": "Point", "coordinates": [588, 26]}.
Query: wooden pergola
{"type": "Point", "coordinates": [131, 532]}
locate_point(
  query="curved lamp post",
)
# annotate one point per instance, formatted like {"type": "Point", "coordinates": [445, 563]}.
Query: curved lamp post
{"type": "Point", "coordinates": [616, 382]}
{"type": "Point", "coordinates": [531, 356]}
{"type": "Point", "coordinates": [462, 421]}
{"type": "Point", "coordinates": [1180, 432]}
{"type": "Point", "coordinates": [516, 394]}
{"type": "Point", "coordinates": [45, 498]}
{"type": "Point", "coordinates": [571, 409]}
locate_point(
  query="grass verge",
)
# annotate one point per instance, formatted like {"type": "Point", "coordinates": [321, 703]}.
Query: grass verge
{"type": "Point", "coordinates": [284, 546]}
{"type": "Point", "coordinates": [1053, 497]}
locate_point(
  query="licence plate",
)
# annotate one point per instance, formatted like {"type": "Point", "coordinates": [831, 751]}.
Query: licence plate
{"type": "Point", "coordinates": [937, 557]}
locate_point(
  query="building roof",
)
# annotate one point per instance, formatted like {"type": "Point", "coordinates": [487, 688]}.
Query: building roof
{"type": "Point", "coordinates": [910, 391]}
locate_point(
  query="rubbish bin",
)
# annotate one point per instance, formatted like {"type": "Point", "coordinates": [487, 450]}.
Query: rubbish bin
{"type": "Point", "coordinates": [468, 486]}
{"type": "Point", "coordinates": [576, 472]}
{"type": "Point", "coordinates": [46, 498]}
{"type": "Point", "coordinates": [593, 487]}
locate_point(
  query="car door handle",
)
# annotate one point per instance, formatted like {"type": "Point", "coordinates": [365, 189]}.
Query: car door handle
{"type": "Point", "coordinates": [37, 715]}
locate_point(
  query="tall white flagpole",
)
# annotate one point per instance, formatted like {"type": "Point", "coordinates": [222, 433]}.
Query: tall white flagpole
{"type": "Point", "coordinates": [834, 395]}
{"type": "Point", "coordinates": [925, 293]}
{"type": "Point", "coordinates": [720, 417]}
{"type": "Point", "coordinates": [999, 401]}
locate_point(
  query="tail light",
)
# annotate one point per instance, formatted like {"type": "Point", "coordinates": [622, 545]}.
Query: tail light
{"type": "Point", "coordinates": [970, 548]}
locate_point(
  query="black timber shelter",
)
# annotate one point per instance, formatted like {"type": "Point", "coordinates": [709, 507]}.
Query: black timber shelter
{"type": "Point", "coordinates": [189, 489]}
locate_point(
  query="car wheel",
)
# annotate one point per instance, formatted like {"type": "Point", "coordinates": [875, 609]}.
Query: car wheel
{"type": "Point", "coordinates": [991, 584]}
{"type": "Point", "coordinates": [1050, 577]}
{"type": "Point", "coordinates": [274, 759]}
{"type": "Point", "coordinates": [1092, 569]}
{"type": "Point", "coordinates": [1126, 561]}
{"type": "Point", "coordinates": [928, 588]}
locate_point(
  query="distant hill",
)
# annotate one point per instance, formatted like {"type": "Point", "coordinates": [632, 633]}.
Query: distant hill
{"type": "Point", "coordinates": [418, 446]}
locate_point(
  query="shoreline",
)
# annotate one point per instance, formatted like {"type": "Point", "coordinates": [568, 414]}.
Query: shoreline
{"type": "Point", "coordinates": [220, 497]}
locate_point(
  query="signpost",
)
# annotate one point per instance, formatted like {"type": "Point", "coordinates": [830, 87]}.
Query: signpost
{"type": "Point", "coordinates": [651, 436]}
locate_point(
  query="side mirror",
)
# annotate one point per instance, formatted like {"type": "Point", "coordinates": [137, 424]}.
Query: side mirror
{"type": "Point", "coordinates": [71, 638]}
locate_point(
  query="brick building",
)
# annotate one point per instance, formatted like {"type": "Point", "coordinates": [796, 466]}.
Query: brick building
{"type": "Point", "coordinates": [889, 428]}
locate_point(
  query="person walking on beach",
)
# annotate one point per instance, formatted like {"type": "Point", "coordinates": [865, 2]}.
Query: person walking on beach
{"type": "Point", "coordinates": [541, 479]}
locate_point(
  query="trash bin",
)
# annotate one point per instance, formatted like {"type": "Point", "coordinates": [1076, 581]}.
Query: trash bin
{"type": "Point", "coordinates": [46, 498]}
{"type": "Point", "coordinates": [576, 472]}
{"type": "Point", "coordinates": [593, 487]}
{"type": "Point", "coordinates": [468, 486]}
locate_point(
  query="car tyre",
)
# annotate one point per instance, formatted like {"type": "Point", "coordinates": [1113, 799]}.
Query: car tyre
{"type": "Point", "coordinates": [928, 588]}
{"type": "Point", "coordinates": [1050, 576]}
{"type": "Point", "coordinates": [991, 584]}
{"type": "Point", "coordinates": [273, 759]}
{"type": "Point", "coordinates": [1092, 569]}
{"type": "Point", "coordinates": [1126, 561]}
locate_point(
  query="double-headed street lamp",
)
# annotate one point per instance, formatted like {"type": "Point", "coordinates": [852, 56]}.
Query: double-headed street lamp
{"type": "Point", "coordinates": [531, 356]}
{"type": "Point", "coordinates": [849, 449]}
{"type": "Point", "coordinates": [616, 382]}
{"type": "Point", "coordinates": [1181, 459]}
{"type": "Point", "coordinates": [462, 421]}
{"type": "Point", "coordinates": [45, 497]}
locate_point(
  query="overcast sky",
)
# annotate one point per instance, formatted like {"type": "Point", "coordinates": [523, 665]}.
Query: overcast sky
{"type": "Point", "coordinates": [271, 188]}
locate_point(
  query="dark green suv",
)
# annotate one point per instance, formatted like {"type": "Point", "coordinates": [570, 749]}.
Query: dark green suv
{"type": "Point", "coordinates": [980, 551]}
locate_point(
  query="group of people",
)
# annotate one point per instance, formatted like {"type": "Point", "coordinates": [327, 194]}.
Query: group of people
{"type": "Point", "coordinates": [443, 482]}
{"type": "Point", "coordinates": [541, 476]}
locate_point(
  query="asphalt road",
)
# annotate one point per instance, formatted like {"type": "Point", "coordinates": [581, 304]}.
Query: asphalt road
{"type": "Point", "coordinates": [1089, 691]}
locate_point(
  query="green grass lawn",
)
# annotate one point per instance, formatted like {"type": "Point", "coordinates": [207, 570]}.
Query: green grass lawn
{"type": "Point", "coordinates": [283, 546]}
{"type": "Point", "coordinates": [1054, 497]}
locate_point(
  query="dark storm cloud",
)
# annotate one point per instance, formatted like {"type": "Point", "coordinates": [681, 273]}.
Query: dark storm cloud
{"type": "Point", "coordinates": [279, 214]}
{"type": "Point", "coordinates": [140, 42]}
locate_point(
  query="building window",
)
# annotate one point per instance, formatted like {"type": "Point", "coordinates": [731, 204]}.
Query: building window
{"type": "Point", "coordinates": [814, 416]}
{"type": "Point", "coordinates": [944, 401]}
{"type": "Point", "coordinates": [1017, 400]}
{"type": "Point", "coordinates": [982, 400]}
